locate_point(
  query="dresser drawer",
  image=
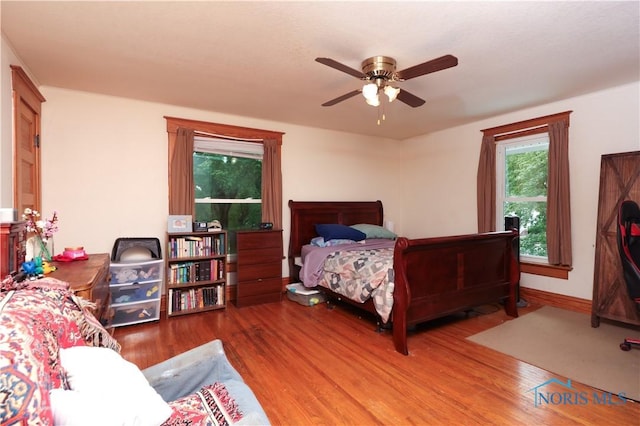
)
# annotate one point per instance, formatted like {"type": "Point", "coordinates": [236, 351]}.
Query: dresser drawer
{"type": "Point", "coordinates": [253, 288]}
{"type": "Point", "coordinates": [248, 240]}
{"type": "Point", "coordinates": [262, 255]}
{"type": "Point", "coordinates": [260, 271]}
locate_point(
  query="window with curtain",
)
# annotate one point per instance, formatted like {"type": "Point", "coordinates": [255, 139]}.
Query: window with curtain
{"type": "Point", "coordinates": [191, 145]}
{"type": "Point", "coordinates": [227, 176]}
{"type": "Point", "coordinates": [511, 177]}
{"type": "Point", "coordinates": [521, 190]}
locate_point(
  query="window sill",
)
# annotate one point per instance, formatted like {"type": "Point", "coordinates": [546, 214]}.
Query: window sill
{"type": "Point", "coordinates": [547, 270]}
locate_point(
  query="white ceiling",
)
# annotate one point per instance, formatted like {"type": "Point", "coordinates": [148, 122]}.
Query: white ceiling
{"type": "Point", "coordinates": [256, 59]}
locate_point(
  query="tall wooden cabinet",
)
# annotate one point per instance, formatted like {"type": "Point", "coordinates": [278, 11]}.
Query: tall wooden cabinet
{"type": "Point", "coordinates": [619, 180]}
{"type": "Point", "coordinates": [260, 257]}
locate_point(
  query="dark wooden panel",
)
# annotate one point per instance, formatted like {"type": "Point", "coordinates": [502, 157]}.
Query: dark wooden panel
{"type": "Point", "coordinates": [253, 256]}
{"type": "Point", "coordinates": [259, 271]}
{"type": "Point", "coordinates": [249, 240]}
{"type": "Point", "coordinates": [253, 288]}
{"type": "Point", "coordinates": [259, 299]}
{"type": "Point", "coordinates": [619, 181]}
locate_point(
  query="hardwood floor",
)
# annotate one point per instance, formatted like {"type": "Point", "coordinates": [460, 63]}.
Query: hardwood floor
{"type": "Point", "coordinates": [313, 365]}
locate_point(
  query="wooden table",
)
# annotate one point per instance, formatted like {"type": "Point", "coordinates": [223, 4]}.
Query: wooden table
{"type": "Point", "coordinates": [89, 279]}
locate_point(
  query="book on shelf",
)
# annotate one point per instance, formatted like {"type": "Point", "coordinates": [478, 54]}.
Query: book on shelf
{"type": "Point", "coordinates": [191, 272]}
{"type": "Point", "coordinates": [195, 246]}
{"type": "Point", "coordinates": [195, 298]}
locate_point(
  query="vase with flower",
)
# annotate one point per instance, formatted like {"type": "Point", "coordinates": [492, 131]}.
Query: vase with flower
{"type": "Point", "coordinates": [40, 241]}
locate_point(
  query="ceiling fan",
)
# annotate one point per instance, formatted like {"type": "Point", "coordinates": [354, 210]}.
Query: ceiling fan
{"type": "Point", "coordinates": [380, 76]}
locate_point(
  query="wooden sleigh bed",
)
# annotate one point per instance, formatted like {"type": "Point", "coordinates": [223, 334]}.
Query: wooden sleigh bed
{"type": "Point", "coordinates": [434, 277]}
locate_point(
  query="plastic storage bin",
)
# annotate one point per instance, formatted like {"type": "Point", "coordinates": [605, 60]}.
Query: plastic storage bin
{"type": "Point", "coordinates": [130, 293]}
{"type": "Point", "coordinates": [304, 296]}
{"type": "Point", "coordinates": [136, 272]}
{"type": "Point", "coordinates": [135, 313]}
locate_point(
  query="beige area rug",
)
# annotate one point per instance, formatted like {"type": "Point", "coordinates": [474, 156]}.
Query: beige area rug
{"type": "Point", "coordinates": [564, 343]}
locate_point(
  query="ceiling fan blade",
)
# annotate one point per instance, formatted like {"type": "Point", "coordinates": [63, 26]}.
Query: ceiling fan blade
{"type": "Point", "coordinates": [341, 98]}
{"type": "Point", "coordinates": [340, 67]}
{"type": "Point", "coordinates": [438, 64]}
{"type": "Point", "coordinates": [410, 99]}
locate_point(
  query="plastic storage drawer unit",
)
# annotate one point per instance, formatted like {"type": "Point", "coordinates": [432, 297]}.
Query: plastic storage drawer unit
{"type": "Point", "coordinates": [136, 289]}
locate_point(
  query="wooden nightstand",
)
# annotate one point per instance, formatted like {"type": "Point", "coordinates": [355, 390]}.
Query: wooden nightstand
{"type": "Point", "coordinates": [260, 257]}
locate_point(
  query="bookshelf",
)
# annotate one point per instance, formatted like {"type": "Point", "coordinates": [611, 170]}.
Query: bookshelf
{"type": "Point", "coordinates": [196, 272]}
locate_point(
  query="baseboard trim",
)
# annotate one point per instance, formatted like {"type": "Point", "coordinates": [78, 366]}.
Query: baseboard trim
{"type": "Point", "coordinates": [557, 300]}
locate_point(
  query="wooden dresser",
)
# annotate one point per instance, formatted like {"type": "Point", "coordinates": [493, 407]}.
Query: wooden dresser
{"type": "Point", "coordinates": [89, 279]}
{"type": "Point", "coordinates": [13, 237]}
{"type": "Point", "coordinates": [260, 257]}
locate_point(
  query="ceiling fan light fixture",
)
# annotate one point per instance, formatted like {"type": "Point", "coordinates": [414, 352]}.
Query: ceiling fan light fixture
{"type": "Point", "coordinates": [374, 101]}
{"type": "Point", "coordinates": [391, 92]}
{"type": "Point", "coordinates": [370, 91]}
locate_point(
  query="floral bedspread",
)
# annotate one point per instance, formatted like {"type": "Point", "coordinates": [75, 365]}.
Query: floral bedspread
{"type": "Point", "coordinates": [360, 275]}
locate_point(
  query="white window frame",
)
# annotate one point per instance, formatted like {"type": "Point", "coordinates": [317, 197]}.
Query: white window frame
{"type": "Point", "coordinates": [524, 143]}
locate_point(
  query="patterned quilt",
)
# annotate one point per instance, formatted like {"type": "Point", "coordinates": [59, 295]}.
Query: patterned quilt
{"type": "Point", "coordinates": [360, 275]}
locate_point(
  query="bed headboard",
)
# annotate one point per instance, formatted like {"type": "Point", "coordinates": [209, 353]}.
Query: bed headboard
{"type": "Point", "coordinates": [306, 214]}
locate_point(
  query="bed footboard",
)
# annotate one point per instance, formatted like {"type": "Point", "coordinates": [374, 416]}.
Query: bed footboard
{"type": "Point", "coordinates": [435, 277]}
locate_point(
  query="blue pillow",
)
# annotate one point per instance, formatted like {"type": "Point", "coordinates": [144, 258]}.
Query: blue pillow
{"type": "Point", "coordinates": [336, 231]}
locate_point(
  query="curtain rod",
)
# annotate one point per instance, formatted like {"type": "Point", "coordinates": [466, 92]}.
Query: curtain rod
{"type": "Point", "coordinates": [532, 123]}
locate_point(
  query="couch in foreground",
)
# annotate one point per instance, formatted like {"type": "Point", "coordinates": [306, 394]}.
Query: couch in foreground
{"type": "Point", "coordinates": [58, 365]}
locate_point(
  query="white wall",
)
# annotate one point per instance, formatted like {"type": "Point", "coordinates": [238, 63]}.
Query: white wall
{"type": "Point", "coordinates": [104, 166]}
{"type": "Point", "coordinates": [439, 175]}
{"type": "Point", "coordinates": [7, 58]}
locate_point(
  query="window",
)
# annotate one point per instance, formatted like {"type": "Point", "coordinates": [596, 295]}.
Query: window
{"type": "Point", "coordinates": [183, 154]}
{"type": "Point", "coordinates": [227, 179]}
{"type": "Point", "coordinates": [521, 190]}
{"type": "Point", "coordinates": [511, 180]}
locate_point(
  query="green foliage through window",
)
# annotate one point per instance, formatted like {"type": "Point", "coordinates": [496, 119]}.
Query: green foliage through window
{"type": "Point", "coordinates": [233, 186]}
{"type": "Point", "coordinates": [525, 193]}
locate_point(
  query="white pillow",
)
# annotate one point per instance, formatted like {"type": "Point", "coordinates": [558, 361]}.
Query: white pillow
{"type": "Point", "coordinates": [106, 389]}
{"type": "Point", "coordinates": [73, 408]}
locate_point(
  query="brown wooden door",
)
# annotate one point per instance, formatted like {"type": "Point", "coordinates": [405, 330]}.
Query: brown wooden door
{"type": "Point", "coordinates": [27, 102]}
{"type": "Point", "coordinates": [619, 180]}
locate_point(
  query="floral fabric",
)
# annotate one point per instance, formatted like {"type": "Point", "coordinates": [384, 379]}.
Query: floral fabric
{"type": "Point", "coordinates": [210, 406]}
{"type": "Point", "coordinates": [37, 318]}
